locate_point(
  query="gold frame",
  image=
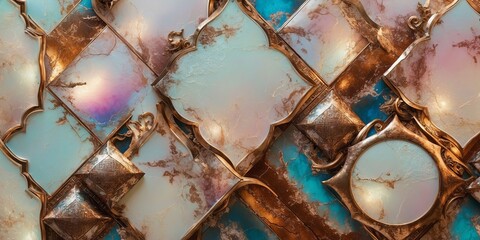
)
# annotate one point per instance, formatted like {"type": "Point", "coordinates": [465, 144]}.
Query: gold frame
{"type": "Point", "coordinates": [452, 185]}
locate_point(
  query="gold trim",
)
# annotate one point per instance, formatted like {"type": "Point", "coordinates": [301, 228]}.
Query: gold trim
{"type": "Point", "coordinates": [451, 185]}
{"type": "Point", "coordinates": [475, 4]}
{"type": "Point", "coordinates": [275, 42]}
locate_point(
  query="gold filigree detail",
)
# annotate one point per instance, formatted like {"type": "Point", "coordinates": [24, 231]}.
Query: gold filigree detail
{"type": "Point", "coordinates": [177, 41]}
{"type": "Point", "coordinates": [139, 131]}
{"type": "Point", "coordinates": [419, 23]}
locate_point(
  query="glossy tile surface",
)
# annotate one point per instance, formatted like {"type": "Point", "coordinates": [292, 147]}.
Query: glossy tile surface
{"type": "Point", "coordinates": [389, 177]}
{"type": "Point", "coordinates": [55, 144]}
{"type": "Point", "coordinates": [322, 36]}
{"type": "Point", "coordinates": [146, 24]}
{"type": "Point", "coordinates": [442, 73]}
{"type": "Point", "coordinates": [177, 189]}
{"type": "Point", "coordinates": [19, 67]}
{"type": "Point", "coordinates": [19, 211]}
{"type": "Point", "coordinates": [277, 12]}
{"type": "Point", "coordinates": [49, 13]}
{"type": "Point", "coordinates": [104, 98]}
{"type": "Point", "coordinates": [233, 85]}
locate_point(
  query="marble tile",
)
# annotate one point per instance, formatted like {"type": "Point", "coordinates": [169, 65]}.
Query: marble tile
{"type": "Point", "coordinates": [387, 177]}
{"type": "Point", "coordinates": [146, 24]}
{"type": "Point", "coordinates": [54, 143]}
{"type": "Point", "coordinates": [368, 105]}
{"type": "Point", "coordinates": [103, 84]}
{"type": "Point", "coordinates": [178, 188]}
{"type": "Point", "coordinates": [49, 13]}
{"type": "Point", "coordinates": [277, 12]}
{"type": "Point", "coordinates": [233, 85]}
{"type": "Point", "coordinates": [442, 73]}
{"type": "Point", "coordinates": [70, 37]}
{"type": "Point", "coordinates": [19, 211]}
{"type": "Point", "coordinates": [322, 36]}
{"type": "Point", "coordinates": [19, 67]}
{"type": "Point", "coordinates": [237, 222]}
{"type": "Point", "coordinates": [287, 169]}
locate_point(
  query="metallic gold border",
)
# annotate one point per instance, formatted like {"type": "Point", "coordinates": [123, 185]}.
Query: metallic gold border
{"type": "Point", "coordinates": [452, 186]}
{"type": "Point", "coordinates": [475, 4]}
{"type": "Point", "coordinates": [275, 42]}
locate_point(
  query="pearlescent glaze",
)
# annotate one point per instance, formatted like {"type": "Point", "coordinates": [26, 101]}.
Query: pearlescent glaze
{"type": "Point", "coordinates": [145, 24]}
{"type": "Point", "coordinates": [19, 67]}
{"type": "Point", "coordinates": [233, 85]}
{"type": "Point", "coordinates": [55, 144]}
{"type": "Point", "coordinates": [442, 74]}
{"type": "Point", "coordinates": [321, 35]}
{"type": "Point", "coordinates": [19, 211]}
{"type": "Point", "coordinates": [177, 190]}
{"type": "Point", "coordinates": [395, 182]}
{"type": "Point", "coordinates": [104, 84]}
{"type": "Point", "coordinates": [49, 13]}
{"type": "Point", "coordinates": [277, 12]}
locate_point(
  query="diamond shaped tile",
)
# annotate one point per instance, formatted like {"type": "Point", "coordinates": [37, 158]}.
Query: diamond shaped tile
{"type": "Point", "coordinates": [322, 36]}
{"type": "Point", "coordinates": [331, 125]}
{"type": "Point", "coordinates": [442, 72]}
{"type": "Point", "coordinates": [76, 216]}
{"type": "Point", "coordinates": [109, 174]}
{"type": "Point", "coordinates": [103, 84]}
{"type": "Point", "coordinates": [234, 86]}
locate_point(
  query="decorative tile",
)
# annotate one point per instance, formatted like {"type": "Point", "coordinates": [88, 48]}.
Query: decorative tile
{"type": "Point", "coordinates": [442, 73]}
{"type": "Point", "coordinates": [146, 25]}
{"type": "Point", "coordinates": [103, 98]}
{"type": "Point", "coordinates": [368, 106]}
{"type": "Point", "coordinates": [331, 125]}
{"type": "Point", "coordinates": [237, 222]}
{"type": "Point", "coordinates": [277, 12]}
{"type": "Point", "coordinates": [322, 36]}
{"type": "Point", "coordinates": [76, 216]}
{"type": "Point", "coordinates": [70, 37]}
{"type": "Point", "coordinates": [19, 211]}
{"type": "Point", "coordinates": [54, 143]}
{"type": "Point", "coordinates": [49, 13]}
{"type": "Point", "coordinates": [19, 67]}
{"type": "Point", "coordinates": [179, 187]}
{"type": "Point", "coordinates": [233, 86]}
{"type": "Point", "coordinates": [109, 174]}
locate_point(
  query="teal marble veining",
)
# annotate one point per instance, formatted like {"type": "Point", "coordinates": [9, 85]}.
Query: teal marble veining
{"type": "Point", "coordinates": [465, 224]}
{"type": "Point", "coordinates": [299, 171]}
{"type": "Point", "coordinates": [369, 106]}
{"type": "Point", "coordinates": [277, 12]}
{"type": "Point", "coordinates": [238, 222]}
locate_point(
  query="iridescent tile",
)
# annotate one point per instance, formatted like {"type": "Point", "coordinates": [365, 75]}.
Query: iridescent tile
{"type": "Point", "coordinates": [19, 211]}
{"type": "Point", "coordinates": [277, 12]}
{"type": "Point", "coordinates": [442, 73]}
{"type": "Point", "coordinates": [70, 37]}
{"type": "Point", "coordinates": [237, 221]}
{"type": "Point", "coordinates": [145, 24]}
{"type": "Point", "coordinates": [322, 36]}
{"type": "Point", "coordinates": [49, 13]}
{"type": "Point", "coordinates": [368, 104]}
{"type": "Point", "coordinates": [54, 143]}
{"type": "Point", "coordinates": [20, 75]}
{"type": "Point", "coordinates": [178, 189]}
{"type": "Point", "coordinates": [233, 86]}
{"type": "Point", "coordinates": [287, 169]}
{"type": "Point", "coordinates": [104, 84]}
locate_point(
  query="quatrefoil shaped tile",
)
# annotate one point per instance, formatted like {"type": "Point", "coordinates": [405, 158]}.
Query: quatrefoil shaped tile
{"type": "Point", "coordinates": [233, 85]}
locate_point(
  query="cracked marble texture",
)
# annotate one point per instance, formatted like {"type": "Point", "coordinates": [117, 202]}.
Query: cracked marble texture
{"type": "Point", "coordinates": [145, 24]}
{"type": "Point", "coordinates": [104, 84]}
{"type": "Point", "coordinates": [395, 182]}
{"type": "Point", "coordinates": [55, 144]}
{"type": "Point", "coordinates": [442, 73]}
{"type": "Point", "coordinates": [19, 211]}
{"type": "Point", "coordinates": [233, 85]}
{"type": "Point", "coordinates": [322, 36]}
{"type": "Point", "coordinates": [49, 13]}
{"type": "Point", "coordinates": [177, 190]}
{"type": "Point", "coordinates": [19, 67]}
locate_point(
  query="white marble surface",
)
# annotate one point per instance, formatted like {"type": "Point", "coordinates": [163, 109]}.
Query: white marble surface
{"type": "Point", "coordinates": [395, 182]}
{"type": "Point", "coordinates": [234, 86]}
{"type": "Point", "coordinates": [49, 13]}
